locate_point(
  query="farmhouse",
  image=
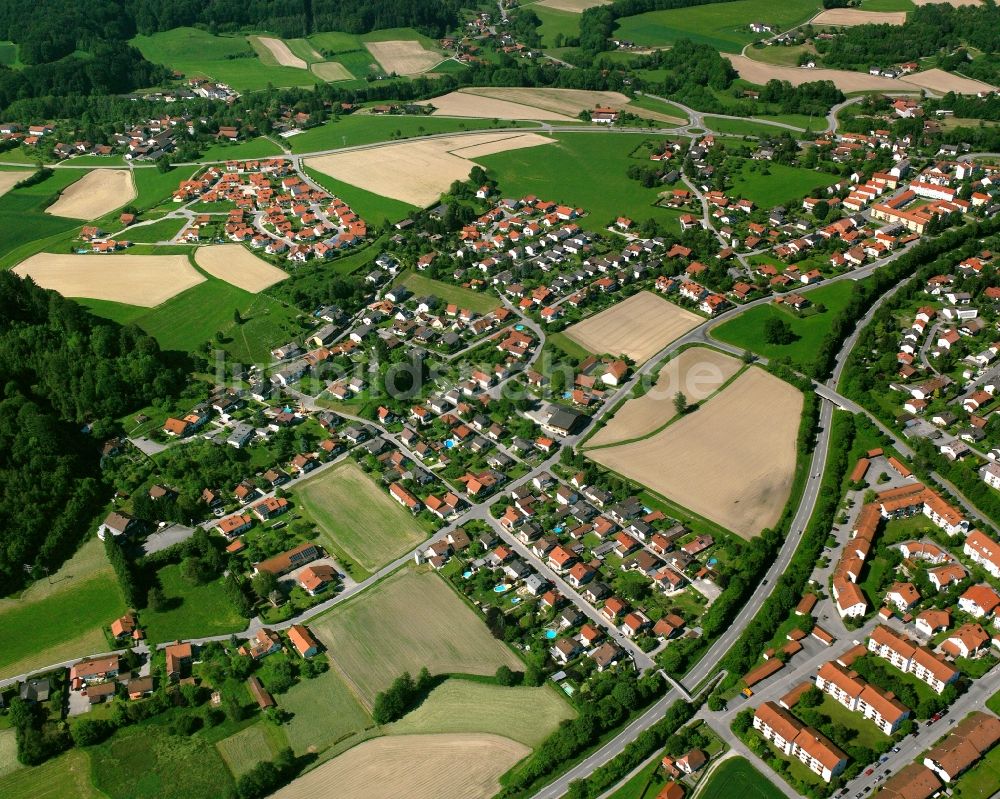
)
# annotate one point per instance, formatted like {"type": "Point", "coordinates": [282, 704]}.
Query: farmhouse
{"type": "Point", "coordinates": [286, 561]}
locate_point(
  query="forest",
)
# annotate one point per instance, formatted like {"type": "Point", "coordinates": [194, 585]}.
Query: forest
{"type": "Point", "coordinates": [63, 372]}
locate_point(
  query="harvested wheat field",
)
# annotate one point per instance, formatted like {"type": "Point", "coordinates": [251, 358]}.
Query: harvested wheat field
{"type": "Point", "coordinates": [576, 6]}
{"type": "Point", "coordinates": [8, 179]}
{"type": "Point", "coordinates": [561, 101]}
{"type": "Point", "coordinates": [403, 57]}
{"type": "Point", "coordinates": [845, 80]}
{"type": "Point", "coordinates": [280, 51]}
{"type": "Point", "coordinates": [697, 373]}
{"type": "Point", "coordinates": [853, 16]}
{"type": "Point", "coordinates": [638, 327]}
{"type": "Point", "coordinates": [331, 71]}
{"type": "Point", "coordinates": [416, 766]}
{"type": "Point", "coordinates": [731, 461]}
{"type": "Point", "coordinates": [95, 194]}
{"type": "Point", "coordinates": [937, 80]}
{"type": "Point", "coordinates": [143, 280]}
{"type": "Point", "coordinates": [235, 264]}
{"type": "Point", "coordinates": [474, 106]}
{"type": "Point", "coordinates": [418, 172]}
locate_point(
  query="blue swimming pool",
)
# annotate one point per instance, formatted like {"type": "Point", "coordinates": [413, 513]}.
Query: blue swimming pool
{"type": "Point", "coordinates": [550, 634]}
{"type": "Point", "coordinates": [449, 443]}
{"type": "Point", "coordinates": [499, 589]}
{"type": "Point", "coordinates": [519, 327]}
{"type": "Point", "coordinates": [467, 574]}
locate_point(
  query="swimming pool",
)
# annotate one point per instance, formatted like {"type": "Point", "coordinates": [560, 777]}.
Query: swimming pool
{"type": "Point", "coordinates": [550, 634]}
{"type": "Point", "coordinates": [519, 327]}
{"type": "Point", "coordinates": [449, 443]}
{"type": "Point", "coordinates": [499, 589]}
{"type": "Point", "coordinates": [467, 574]}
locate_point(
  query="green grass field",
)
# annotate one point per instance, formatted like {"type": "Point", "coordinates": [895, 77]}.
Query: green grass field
{"type": "Point", "coordinates": [747, 329]}
{"type": "Point", "coordinates": [24, 221]}
{"type": "Point", "coordinates": [324, 712]}
{"type": "Point", "coordinates": [993, 703]}
{"type": "Point", "coordinates": [478, 301]}
{"type": "Point", "coordinates": [742, 127]}
{"type": "Point", "coordinates": [644, 785]}
{"type": "Point", "coordinates": [63, 777]}
{"type": "Point", "coordinates": [410, 620]}
{"type": "Point", "coordinates": [261, 147]}
{"type": "Point", "coordinates": [8, 54]}
{"type": "Point", "coordinates": [146, 762]}
{"type": "Point", "coordinates": [783, 185]}
{"type": "Point", "coordinates": [527, 715]}
{"type": "Point", "coordinates": [229, 59]}
{"type": "Point", "coordinates": [981, 780]}
{"type": "Point", "coordinates": [252, 745]}
{"type": "Point", "coordinates": [161, 230]}
{"type": "Point", "coordinates": [671, 109]}
{"type": "Point", "coordinates": [736, 778]}
{"type": "Point", "coordinates": [722, 25]}
{"type": "Point", "coordinates": [887, 5]}
{"type": "Point", "coordinates": [554, 22]}
{"type": "Point", "coordinates": [194, 610]}
{"type": "Point", "coordinates": [8, 752]}
{"type": "Point", "coordinates": [355, 516]}
{"type": "Point", "coordinates": [55, 620]}
{"type": "Point", "coordinates": [373, 208]}
{"type": "Point", "coordinates": [603, 188]}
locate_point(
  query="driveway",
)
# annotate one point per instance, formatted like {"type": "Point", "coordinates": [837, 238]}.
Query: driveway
{"type": "Point", "coordinates": [166, 537]}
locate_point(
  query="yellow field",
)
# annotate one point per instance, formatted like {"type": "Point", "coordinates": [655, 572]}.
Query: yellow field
{"type": "Point", "coordinates": [143, 280]}
{"type": "Point", "coordinates": [408, 621]}
{"type": "Point", "coordinates": [279, 50]}
{"type": "Point", "coordinates": [638, 327]}
{"type": "Point", "coordinates": [466, 104]}
{"type": "Point", "coordinates": [403, 57]}
{"type": "Point", "coordinates": [415, 766]}
{"type": "Point", "coordinates": [853, 16]}
{"type": "Point", "coordinates": [577, 6]}
{"type": "Point", "coordinates": [731, 461]}
{"type": "Point", "coordinates": [235, 264]}
{"type": "Point", "coordinates": [937, 80]}
{"type": "Point", "coordinates": [560, 101]}
{"type": "Point", "coordinates": [331, 71]}
{"type": "Point", "coordinates": [95, 194]}
{"type": "Point", "coordinates": [418, 172]}
{"type": "Point", "coordinates": [697, 373]}
{"type": "Point", "coordinates": [9, 178]}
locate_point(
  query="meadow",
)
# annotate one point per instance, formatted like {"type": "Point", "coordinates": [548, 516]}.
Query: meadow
{"type": "Point", "coordinates": [245, 749]}
{"type": "Point", "coordinates": [144, 762]}
{"type": "Point", "coordinates": [782, 185]}
{"type": "Point", "coordinates": [747, 329]}
{"type": "Point", "coordinates": [355, 516]}
{"type": "Point", "coordinates": [527, 715]}
{"type": "Point", "coordinates": [23, 219]}
{"type": "Point", "coordinates": [192, 610]}
{"type": "Point", "coordinates": [324, 712]}
{"type": "Point", "coordinates": [260, 147]}
{"type": "Point", "coordinates": [741, 127]}
{"type": "Point", "coordinates": [603, 189]}
{"type": "Point", "coordinates": [555, 22]}
{"type": "Point", "coordinates": [228, 59]}
{"type": "Point", "coordinates": [8, 752]}
{"type": "Point", "coordinates": [410, 620]}
{"type": "Point", "coordinates": [724, 26]}
{"type": "Point", "coordinates": [57, 618]}
{"type": "Point", "coordinates": [63, 777]}
{"type": "Point", "coordinates": [160, 230]}
{"type": "Point", "coordinates": [478, 301]}
{"type": "Point", "coordinates": [736, 778]}
{"type": "Point", "coordinates": [373, 208]}
{"type": "Point", "coordinates": [8, 54]}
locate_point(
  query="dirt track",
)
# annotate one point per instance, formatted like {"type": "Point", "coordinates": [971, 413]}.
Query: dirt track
{"type": "Point", "coordinates": [95, 194]}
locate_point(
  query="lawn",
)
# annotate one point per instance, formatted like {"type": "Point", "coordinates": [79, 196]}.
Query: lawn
{"type": "Point", "coordinates": [643, 785]}
{"type": "Point", "coordinates": [248, 747]}
{"type": "Point", "coordinates": [55, 620]}
{"type": "Point", "coordinates": [736, 778]}
{"type": "Point", "coordinates": [725, 26]}
{"type": "Point", "coordinates": [868, 735]}
{"type": "Point", "coordinates": [778, 184]}
{"type": "Point", "coordinates": [747, 329]}
{"type": "Point", "coordinates": [324, 712]}
{"type": "Point", "coordinates": [981, 780]}
{"type": "Point", "coordinates": [63, 777]}
{"type": "Point", "coordinates": [355, 516]}
{"type": "Point", "coordinates": [161, 230]}
{"type": "Point", "coordinates": [478, 301]}
{"type": "Point", "coordinates": [373, 208]}
{"type": "Point", "coordinates": [228, 59]}
{"type": "Point", "coordinates": [261, 147]}
{"type": "Point", "coordinates": [410, 620]}
{"type": "Point", "coordinates": [23, 219]}
{"type": "Point", "coordinates": [8, 752]}
{"type": "Point", "coordinates": [603, 189]}
{"type": "Point", "coordinates": [192, 610]}
{"type": "Point", "coordinates": [527, 715]}
{"type": "Point", "coordinates": [993, 703]}
{"type": "Point", "coordinates": [146, 761]}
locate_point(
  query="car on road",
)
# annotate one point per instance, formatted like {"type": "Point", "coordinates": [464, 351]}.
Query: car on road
{"type": "Point", "coordinates": [883, 758]}
{"type": "Point", "coordinates": [869, 772]}
{"type": "Point", "coordinates": [895, 749]}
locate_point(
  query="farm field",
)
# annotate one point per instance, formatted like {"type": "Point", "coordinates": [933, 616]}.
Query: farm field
{"type": "Point", "coordinates": [63, 777]}
{"type": "Point", "coordinates": [415, 766]}
{"type": "Point", "coordinates": [26, 227]}
{"type": "Point", "coordinates": [697, 372]}
{"type": "Point", "coordinates": [160, 230]}
{"type": "Point", "coordinates": [464, 103]}
{"type": "Point", "coordinates": [736, 778]}
{"type": "Point", "coordinates": [747, 329]}
{"type": "Point", "coordinates": [604, 189]}
{"type": "Point", "coordinates": [229, 59]}
{"type": "Point", "coordinates": [8, 752]}
{"type": "Point", "coordinates": [9, 177]}
{"type": "Point", "coordinates": [937, 80]}
{"type": "Point", "coordinates": [245, 749]}
{"type": "Point", "coordinates": [143, 762]}
{"type": "Point", "coordinates": [724, 26]}
{"type": "Point", "coordinates": [782, 185]}
{"type": "Point", "coordinates": [324, 712]}
{"type": "Point", "coordinates": [578, 6]}
{"type": "Point", "coordinates": [418, 172]}
{"type": "Point", "coordinates": [143, 280]}
{"type": "Point", "coordinates": [236, 265]}
{"type": "Point", "coordinates": [95, 194]}
{"type": "Point", "coordinates": [477, 301]}
{"type": "Point", "coordinates": [271, 50]}
{"type": "Point", "coordinates": [354, 515]}
{"type": "Point", "coordinates": [638, 327]}
{"type": "Point", "coordinates": [408, 621]}
{"type": "Point", "coordinates": [369, 206]}
{"type": "Point", "coordinates": [894, 5]}
{"type": "Point", "coordinates": [569, 102]}
{"type": "Point", "coordinates": [845, 80]}
{"type": "Point", "coordinates": [528, 715]}
{"type": "Point", "coordinates": [754, 421]}
{"type": "Point", "coordinates": [741, 127]}
{"type": "Point", "coordinates": [852, 16]}
{"type": "Point", "coordinates": [193, 610]}
{"type": "Point", "coordinates": [261, 147]}
{"type": "Point", "coordinates": [53, 621]}
{"type": "Point", "coordinates": [403, 57]}
{"type": "Point", "coordinates": [555, 21]}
